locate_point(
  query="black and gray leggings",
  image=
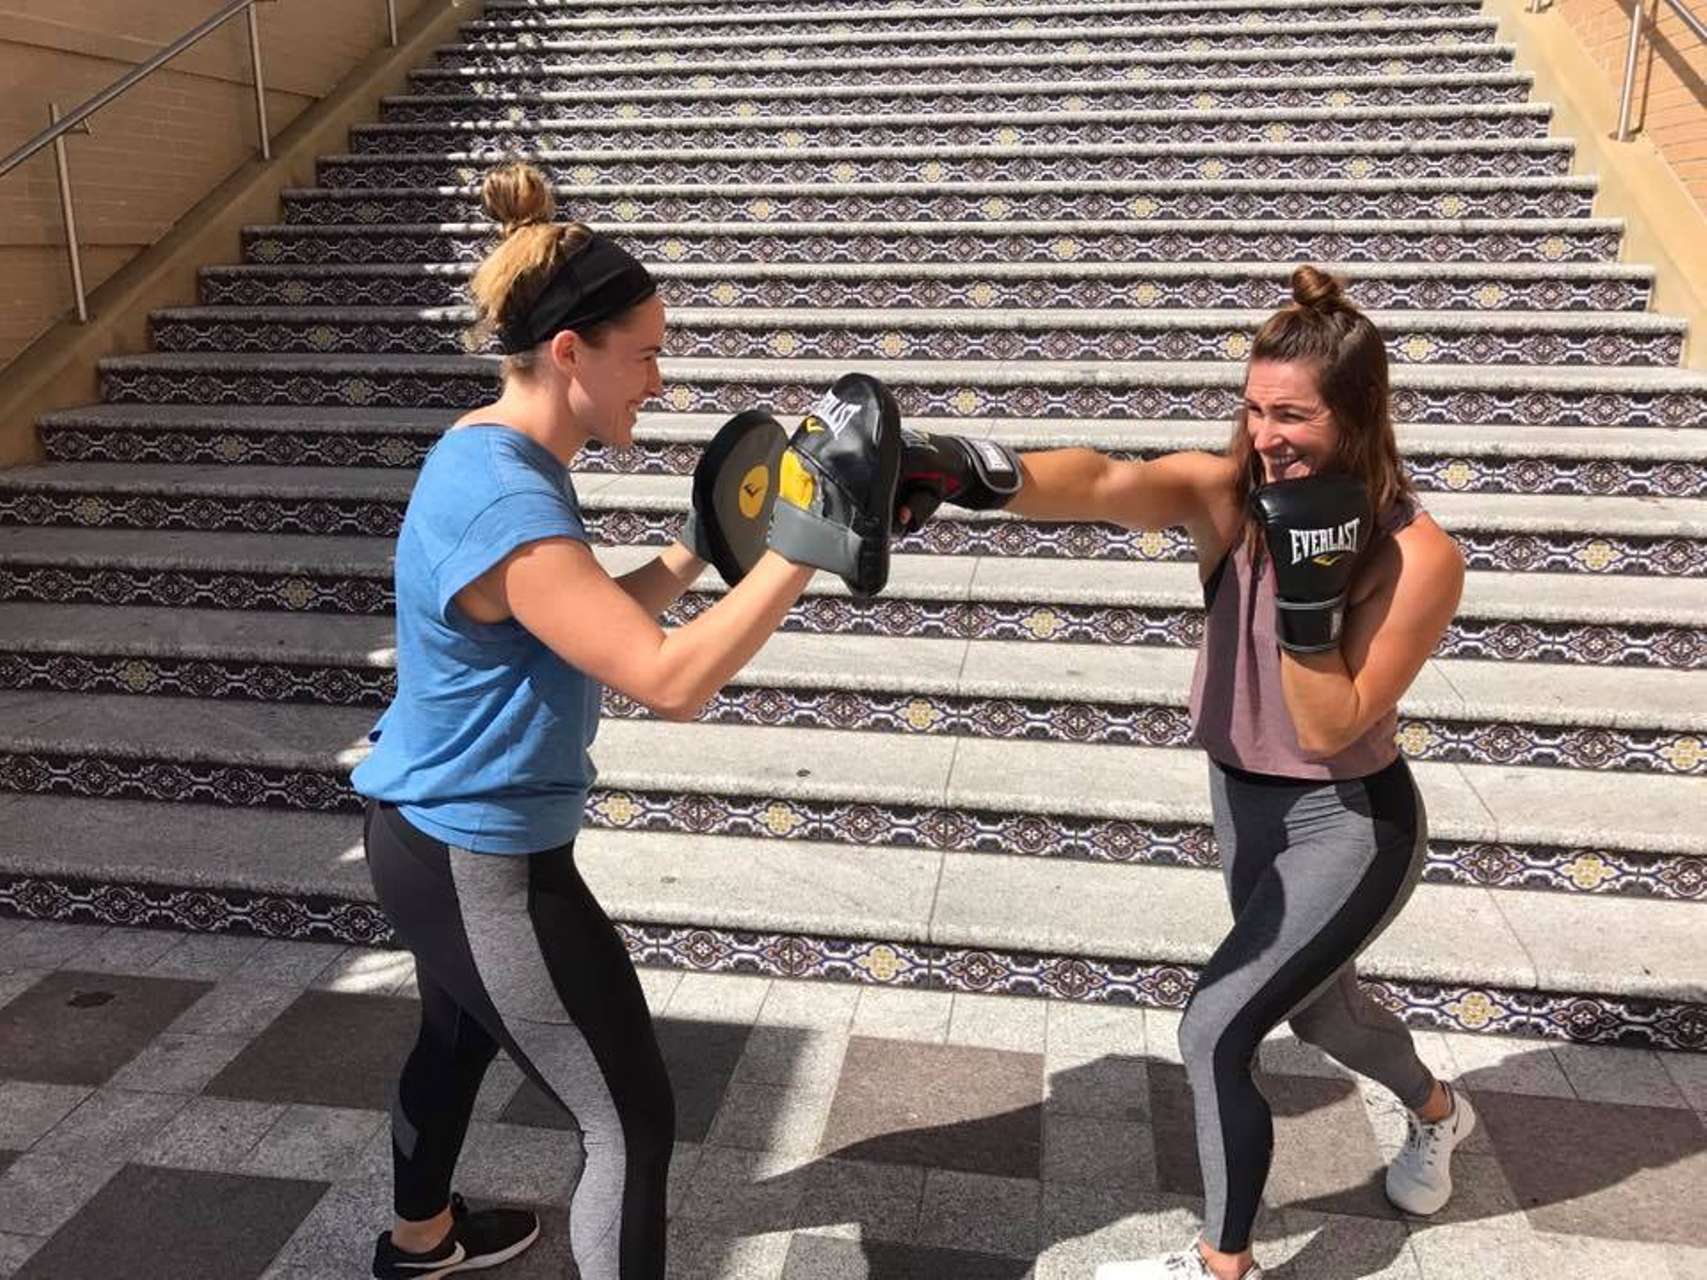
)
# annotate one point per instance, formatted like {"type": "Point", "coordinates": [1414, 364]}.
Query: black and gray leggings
{"type": "Point", "coordinates": [1315, 871]}
{"type": "Point", "coordinates": [513, 951]}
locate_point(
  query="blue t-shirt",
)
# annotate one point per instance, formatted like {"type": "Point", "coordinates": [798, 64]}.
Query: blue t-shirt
{"type": "Point", "coordinates": [485, 745]}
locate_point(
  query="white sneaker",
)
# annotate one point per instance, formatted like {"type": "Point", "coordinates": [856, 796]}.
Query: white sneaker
{"type": "Point", "coordinates": [1419, 1180]}
{"type": "Point", "coordinates": [1187, 1264]}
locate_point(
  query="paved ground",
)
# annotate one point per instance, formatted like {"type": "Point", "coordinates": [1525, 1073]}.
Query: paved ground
{"type": "Point", "coordinates": [206, 1107]}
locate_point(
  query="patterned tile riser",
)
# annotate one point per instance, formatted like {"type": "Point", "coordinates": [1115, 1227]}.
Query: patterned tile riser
{"type": "Point", "coordinates": [356, 517]}
{"type": "Point", "coordinates": [1375, 59]}
{"type": "Point", "coordinates": [1304, 165]}
{"type": "Point", "coordinates": [502, 143]}
{"type": "Point", "coordinates": [1579, 1018]}
{"type": "Point", "coordinates": [411, 390]}
{"type": "Point", "coordinates": [332, 684]}
{"type": "Point", "coordinates": [501, 27]}
{"type": "Point", "coordinates": [453, 107]}
{"type": "Point", "coordinates": [1404, 346]}
{"type": "Point", "coordinates": [1679, 648]}
{"type": "Point", "coordinates": [1619, 477]}
{"type": "Point", "coordinates": [524, 10]}
{"type": "Point", "coordinates": [1381, 246]}
{"type": "Point", "coordinates": [543, 51]}
{"type": "Point", "coordinates": [1424, 198]}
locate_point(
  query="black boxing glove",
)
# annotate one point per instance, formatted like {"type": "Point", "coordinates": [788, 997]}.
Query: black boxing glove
{"type": "Point", "coordinates": [978, 474]}
{"type": "Point", "coordinates": [1317, 529]}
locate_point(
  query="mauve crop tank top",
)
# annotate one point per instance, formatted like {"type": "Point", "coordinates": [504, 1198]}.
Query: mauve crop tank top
{"type": "Point", "coordinates": [1238, 710]}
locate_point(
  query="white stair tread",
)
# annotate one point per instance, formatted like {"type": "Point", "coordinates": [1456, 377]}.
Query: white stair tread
{"type": "Point", "coordinates": [1122, 675]}
{"type": "Point", "coordinates": [1468, 802]}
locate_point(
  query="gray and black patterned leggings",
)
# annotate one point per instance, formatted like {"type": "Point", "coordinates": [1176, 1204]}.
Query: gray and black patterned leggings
{"type": "Point", "coordinates": [1315, 871]}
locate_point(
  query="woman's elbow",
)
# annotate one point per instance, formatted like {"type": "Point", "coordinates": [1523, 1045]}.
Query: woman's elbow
{"type": "Point", "coordinates": [675, 707]}
{"type": "Point", "coordinates": [1322, 742]}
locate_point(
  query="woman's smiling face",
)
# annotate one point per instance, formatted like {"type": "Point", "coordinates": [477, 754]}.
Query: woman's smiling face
{"type": "Point", "coordinates": [1291, 429]}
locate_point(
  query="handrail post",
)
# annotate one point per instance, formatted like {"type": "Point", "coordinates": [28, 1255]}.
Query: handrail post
{"type": "Point", "coordinates": [62, 164]}
{"type": "Point", "coordinates": [260, 85]}
{"type": "Point", "coordinates": [391, 21]}
{"type": "Point", "coordinates": [1630, 52]}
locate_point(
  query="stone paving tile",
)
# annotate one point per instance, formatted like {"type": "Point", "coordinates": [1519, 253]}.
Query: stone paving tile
{"type": "Point", "coordinates": [1600, 1073]}
{"type": "Point", "coordinates": [314, 1142]}
{"type": "Point", "coordinates": [942, 1106]}
{"type": "Point", "coordinates": [503, 1079]}
{"type": "Point", "coordinates": [1098, 1151]}
{"type": "Point", "coordinates": [364, 971]}
{"type": "Point", "coordinates": [335, 1237]}
{"type": "Point", "coordinates": [149, 1221]}
{"type": "Point", "coordinates": [1112, 1085]}
{"type": "Point", "coordinates": [47, 944]}
{"type": "Point", "coordinates": [238, 1006]}
{"type": "Point", "coordinates": [15, 1251]}
{"type": "Point", "coordinates": [770, 1117]}
{"type": "Point", "coordinates": [207, 956]}
{"type": "Point", "coordinates": [326, 1050]}
{"type": "Point", "coordinates": [978, 1213]}
{"type": "Point", "coordinates": [801, 1057]}
{"type": "Point", "coordinates": [1083, 1226]}
{"type": "Point", "coordinates": [998, 1022]}
{"type": "Point", "coordinates": [819, 1257]}
{"type": "Point", "coordinates": [684, 1159]}
{"type": "Point", "coordinates": [1507, 1064]}
{"type": "Point", "coordinates": [6, 1158]}
{"type": "Point", "coordinates": [744, 1192]}
{"type": "Point", "coordinates": [39, 1192]}
{"type": "Point", "coordinates": [697, 1251]}
{"type": "Point", "coordinates": [1299, 1245]}
{"type": "Point", "coordinates": [211, 1133]}
{"type": "Point", "coordinates": [121, 950]}
{"type": "Point", "coordinates": [14, 981]}
{"type": "Point", "coordinates": [658, 985]}
{"type": "Point", "coordinates": [1472, 1252]}
{"type": "Point", "coordinates": [111, 1124]}
{"type": "Point", "coordinates": [900, 1013]}
{"type": "Point", "coordinates": [1325, 1157]}
{"type": "Point", "coordinates": [802, 1004]}
{"type": "Point", "coordinates": [174, 1063]}
{"type": "Point", "coordinates": [1080, 1032]}
{"type": "Point", "coordinates": [1599, 1169]}
{"type": "Point", "coordinates": [860, 1200]}
{"type": "Point", "coordinates": [1689, 1072]}
{"type": "Point", "coordinates": [79, 1028]}
{"type": "Point", "coordinates": [29, 1108]}
{"type": "Point", "coordinates": [727, 998]}
{"type": "Point", "coordinates": [518, 1163]}
{"type": "Point", "coordinates": [298, 964]}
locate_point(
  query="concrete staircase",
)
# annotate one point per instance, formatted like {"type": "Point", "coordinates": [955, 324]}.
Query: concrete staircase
{"type": "Point", "coordinates": [1051, 224]}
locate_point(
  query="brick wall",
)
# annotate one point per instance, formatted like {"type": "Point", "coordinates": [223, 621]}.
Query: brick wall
{"type": "Point", "coordinates": [1669, 106]}
{"type": "Point", "coordinates": [161, 147]}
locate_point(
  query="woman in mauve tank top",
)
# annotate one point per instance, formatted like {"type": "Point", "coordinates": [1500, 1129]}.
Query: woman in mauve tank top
{"type": "Point", "coordinates": [1327, 589]}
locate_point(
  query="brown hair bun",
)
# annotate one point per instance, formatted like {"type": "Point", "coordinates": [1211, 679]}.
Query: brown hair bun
{"type": "Point", "coordinates": [517, 195]}
{"type": "Point", "coordinates": [1313, 287]}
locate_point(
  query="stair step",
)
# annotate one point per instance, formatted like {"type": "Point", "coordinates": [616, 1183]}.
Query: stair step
{"type": "Point", "coordinates": [1481, 198]}
{"type": "Point", "coordinates": [1552, 265]}
{"type": "Point", "coordinates": [1538, 533]}
{"type": "Point", "coordinates": [1011, 128]}
{"type": "Point", "coordinates": [1605, 339]}
{"type": "Point", "coordinates": [1080, 46]}
{"type": "Point", "coordinates": [889, 911]}
{"type": "Point", "coordinates": [934, 17]}
{"type": "Point", "coordinates": [1510, 394]}
{"type": "Point", "coordinates": [280, 755]}
{"type": "Point", "coordinates": [1578, 619]}
{"type": "Point", "coordinates": [1360, 58]}
{"type": "Point", "coordinates": [1311, 160]}
{"type": "Point", "coordinates": [1460, 710]}
{"type": "Point", "coordinates": [1634, 462]}
{"type": "Point", "coordinates": [1183, 95]}
{"type": "Point", "coordinates": [627, 13]}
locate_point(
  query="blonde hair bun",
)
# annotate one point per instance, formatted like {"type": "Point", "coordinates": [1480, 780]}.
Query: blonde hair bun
{"type": "Point", "coordinates": [1313, 287]}
{"type": "Point", "coordinates": [517, 195]}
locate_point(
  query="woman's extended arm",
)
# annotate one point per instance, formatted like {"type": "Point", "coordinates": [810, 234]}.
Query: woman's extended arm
{"type": "Point", "coordinates": [1335, 697]}
{"type": "Point", "coordinates": [558, 591]}
{"type": "Point", "coordinates": [1190, 489]}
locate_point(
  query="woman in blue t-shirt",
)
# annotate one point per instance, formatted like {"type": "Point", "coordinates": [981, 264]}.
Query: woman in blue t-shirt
{"type": "Point", "coordinates": [507, 627]}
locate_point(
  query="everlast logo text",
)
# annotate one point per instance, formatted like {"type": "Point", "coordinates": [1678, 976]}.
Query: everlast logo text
{"type": "Point", "coordinates": [1332, 542]}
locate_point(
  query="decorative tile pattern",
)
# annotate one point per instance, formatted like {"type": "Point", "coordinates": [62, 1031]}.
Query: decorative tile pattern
{"type": "Point", "coordinates": [556, 132]}
{"type": "Point", "coordinates": [1052, 284]}
{"type": "Point", "coordinates": [1583, 1019]}
{"type": "Point", "coordinates": [449, 102]}
{"type": "Point", "coordinates": [226, 446]}
{"type": "Point", "coordinates": [1387, 160]}
{"type": "Point", "coordinates": [1594, 644]}
{"type": "Point", "coordinates": [989, 202]}
{"type": "Point", "coordinates": [1362, 58]}
{"type": "Point", "coordinates": [911, 340]}
{"type": "Point", "coordinates": [534, 50]}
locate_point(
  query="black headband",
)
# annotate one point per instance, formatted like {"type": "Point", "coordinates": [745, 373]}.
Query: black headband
{"type": "Point", "coordinates": [598, 281]}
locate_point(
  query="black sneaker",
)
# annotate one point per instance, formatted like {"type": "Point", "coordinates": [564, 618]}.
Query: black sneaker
{"type": "Point", "coordinates": [477, 1239]}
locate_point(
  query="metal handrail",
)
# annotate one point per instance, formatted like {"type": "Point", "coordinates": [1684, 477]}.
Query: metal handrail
{"type": "Point", "coordinates": [58, 126]}
{"type": "Point", "coordinates": [1637, 13]}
